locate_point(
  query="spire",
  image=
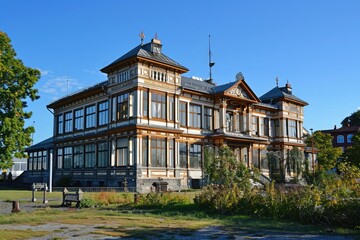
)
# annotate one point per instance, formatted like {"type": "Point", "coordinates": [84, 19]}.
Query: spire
{"type": "Point", "coordinates": [211, 64]}
{"type": "Point", "coordinates": [277, 81]}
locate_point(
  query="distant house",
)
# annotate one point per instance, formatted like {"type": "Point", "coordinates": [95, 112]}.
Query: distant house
{"type": "Point", "coordinates": [342, 137]}
{"type": "Point", "coordinates": [20, 165]}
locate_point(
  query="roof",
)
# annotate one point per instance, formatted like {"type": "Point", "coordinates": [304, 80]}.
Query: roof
{"type": "Point", "coordinates": [46, 144]}
{"type": "Point", "coordinates": [279, 93]}
{"type": "Point", "coordinates": [100, 85]}
{"type": "Point", "coordinates": [222, 88]}
{"type": "Point", "coordinates": [145, 52]}
{"type": "Point", "coordinates": [343, 129]}
{"type": "Point", "coordinates": [197, 85]}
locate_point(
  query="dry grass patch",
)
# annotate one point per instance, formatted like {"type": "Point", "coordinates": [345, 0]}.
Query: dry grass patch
{"type": "Point", "coordinates": [21, 234]}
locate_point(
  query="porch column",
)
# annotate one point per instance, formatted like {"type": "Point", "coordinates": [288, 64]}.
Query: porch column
{"type": "Point", "coordinates": [223, 106]}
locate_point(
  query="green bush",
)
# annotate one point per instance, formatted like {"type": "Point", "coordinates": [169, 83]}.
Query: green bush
{"type": "Point", "coordinates": [89, 203]}
{"type": "Point", "coordinates": [162, 199]}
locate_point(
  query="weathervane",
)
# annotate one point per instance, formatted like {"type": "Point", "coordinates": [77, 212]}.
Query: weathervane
{"type": "Point", "coordinates": [277, 81]}
{"type": "Point", "coordinates": [142, 36]}
{"type": "Point", "coordinates": [156, 36]}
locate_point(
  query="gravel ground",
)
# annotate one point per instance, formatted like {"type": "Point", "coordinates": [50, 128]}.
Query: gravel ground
{"type": "Point", "coordinates": [82, 232]}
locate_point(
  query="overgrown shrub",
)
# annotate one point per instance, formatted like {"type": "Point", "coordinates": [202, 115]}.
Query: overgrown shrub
{"type": "Point", "coordinates": [107, 198]}
{"type": "Point", "coordinates": [89, 203]}
{"type": "Point", "coordinates": [162, 199]}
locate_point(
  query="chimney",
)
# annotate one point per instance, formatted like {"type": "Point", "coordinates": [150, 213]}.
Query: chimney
{"type": "Point", "coordinates": [288, 88]}
{"type": "Point", "coordinates": [334, 127]}
{"type": "Point", "coordinates": [156, 45]}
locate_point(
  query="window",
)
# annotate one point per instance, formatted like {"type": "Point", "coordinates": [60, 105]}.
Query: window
{"type": "Point", "coordinates": [265, 127]}
{"type": "Point", "coordinates": [59, 158]}
{"type": "Point", "coordinates": [79, 119]}
{"type": "Point", "coordinates": [172, 153]}
{"type": "Point", "coordinates": [90, 116]}
{"type": "Point", "coordinates": [208, 118]}
{"type": "Point", "coordinates": [171, 108]}
{"type": "Point", "coordinates": [103, 154]}
{"type": "Point", "coordinates": [292, 128]}
{"type": "Point", "coordinates": [255, 125]}
{"type": "Point", "coordinates": [122, 152]}
{"type": "Point", "coordinates": [195, 156]}
{"type": "Point", "coordinates": [34, 167]}
{"type": "Point", "coordinates": [349, 138]}
{"type": "Point", "coordinates": [276, 128]}
{"type": "Point", "coordinates": [255, 157]}
{"type": "Point", "coordinates": [68, 157]}
{"type": "Point", "coordinates": [340, 139]}
{"type": "Point", "coordinates": [183, 155]}
{"type": "Point", "coordinates": [183, 112]}
{"type": "Point", "coordinates": [158, 105]}
{"type": "Point", "coordinates": [44, 160]}
{"type": "Point", "coordinates": [122, 76]}
{"type": "Point", "coordinates": [31, 160]}
{"type": "Point", "coordinates": [145, 103]}
{"type": "Point", "coordinates": [68, 122]}
{"type": "Point", "coordinates": [103, 113]}
{"type": "Point", "coordinates": [195, 116]}
{"type": "Point", "coordinates": [158, 152]}
{"type": "Point", "coordinates": [60, 124]}
{"type": "Point", "coordinates": [145, 154]}
{"type": "Point", "coordinates": [38, 161]}
{"type": "Point", "coordinates": [122, 109]}
{"type": "Point", "coordinates": [79, 156]}
{"type": "Point", "coordinates": [90, 155]}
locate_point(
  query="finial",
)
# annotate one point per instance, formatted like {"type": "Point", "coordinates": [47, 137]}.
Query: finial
{"type": "Point", "coordinates": [142, 36]}
{"type": "Point", "coordinates": [277, 81]}
{"type": "Point", "coordinates": [156, 36]}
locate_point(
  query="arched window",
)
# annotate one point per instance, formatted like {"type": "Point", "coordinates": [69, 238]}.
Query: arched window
{"type": "Point", "coordinates": [340, 139]}
{"type": "Point", "coordinates": [349, 137]}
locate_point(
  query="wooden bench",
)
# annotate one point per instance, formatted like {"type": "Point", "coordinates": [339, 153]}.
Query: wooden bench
{"type": "Point", "coordinates": [69, 197]}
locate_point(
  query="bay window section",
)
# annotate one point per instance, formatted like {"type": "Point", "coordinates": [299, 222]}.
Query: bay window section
{"type": "Point", "coordinates": [145, 103]}
{"type": "Point", "coordinates": [79, 156]}
{"type": "Point", "coordinates": [68, 157]}
{"type": "Point", "coordinates": [103, 113]}
{"type": "Point", "coordinates": [79, 119]}
{"type": "Point", "coordinates": [183, 155]}
{"type": "Point", "coordinates": [277, 128]}
{"type": "Point", "coordinates": [171, 153]}
{"type": "Point", "coordinates": [208, 116]}
{"type": "Point", "coordinates": [60, 124]}
{"type": "Point", "coordinates": [158, 152]}
{"type": "Point", "coordinates": [90, 160]}
{"type": "Point", "coordinates": [68, 122]}
{"type": "Point", "coordinates": [195, 156]}
{"type": "Point", "coordinates": [122, 157]}
{"type": "Point", "coordinates": [103, 154]}
{"type": "Point", "coordinates": [255, 125]}
{"type": "Point", "coordinates": [122, 107]}
{"type": "Point", "coordinates": [183, 114]}
{"type": "Point", "coordinates": [265, 127]}
{"type": "Point", "coordinates": [158, 106]}
{"type": "Point", "coordinates": [145, 155]}
{"type": "Point", "coordinates": [171, 108]}
{"type": "Point", "coordinates": [90, 116]}
{"type": "Point", "coordinates": [292, 128]}
{"type": "Point", "coordinates": [195, 116]}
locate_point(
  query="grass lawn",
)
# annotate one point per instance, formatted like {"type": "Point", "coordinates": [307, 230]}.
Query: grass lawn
{"type": "Point", "coordinates": [128, 221]}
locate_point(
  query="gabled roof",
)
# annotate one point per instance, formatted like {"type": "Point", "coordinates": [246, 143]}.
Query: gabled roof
{"type": "Point", "coordinates": [343, 129]}
{"type": "Point", "coordinates": [144, 51]}
{"type": "Point", "coordinates": [281, 93]}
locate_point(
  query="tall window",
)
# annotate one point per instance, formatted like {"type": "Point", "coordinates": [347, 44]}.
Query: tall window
{"type": "Point", "coordinates": [68, 157]}
{"type": "Point", "coordinates": [38, 161]}
{"type": "Point", "coordinates": [195, 116]}
{"type": "Point", "coordinates": [340, 139]}
{"type": "Point", "coordinates": [208, 118]}
{"type": "Point", "coordinates": [158, 106]}
{"type": "Point", "coordinates": [79, 119]}
{"type": "Point", "coordinates": [90, 116]}
{"type": "Point", "coordinates": [255, 157]}
{"type": "Point", "coordinates": [59, 158]}
{"type": "Point", "coordinates": [265, 127]}
{"type": "Point", "coordinates": [60, 124]}
{"type": "Point", "coordinates": [103, 113]}
{"type": "Point", "coordinates": [44, 160]}
{"type": "Point", "coordinates": [255, 125]}
{"type": "Point", "coordinates": [171, 152]}
{"type": "Point", "coordinates": [195, 156]}
{"type": "Point", "coordinates": [292, 128]}
{"type": "Point", "coordinates": [183, 155]}
{"type": "Point", "coordinates": [158, 152]}
{"type": "Point", "coordinates": [145, 154]}
{"type": "Point", "coordinates": [68, 122]}
{"type": "Point", "coordinates": [90, 155]}
{"type": "Point", "coordinates": [122, 158]}
{"type": "Point", "coordinates": [171, 108]}
{"type": "Point", "coordinates": [79, 156]}
{"type": "Point", "coordinates": [122, 108]}
{"type": "Point", "coordinates": [31, 160]}
{"type": "Point", "coordinates": [277, 128]}
{"type": "Point", "coordinates": [145, 103]}
{"type": "Point", "coordinates": [103, 154]}
{"type": "Point", "coordinates": [183, 115]}
{"type": "Point", "coordinates": [349, 138]}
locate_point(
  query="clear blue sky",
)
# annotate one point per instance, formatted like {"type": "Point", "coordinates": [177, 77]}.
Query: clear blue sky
{"type": "Point", "coordinates": [315, 45]}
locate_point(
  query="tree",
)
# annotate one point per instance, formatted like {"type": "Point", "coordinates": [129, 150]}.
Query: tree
{"type": "Point", "coordinates": [17, 87]}
{"type": "Point", "coordinates": [327, 155]}
{"type": "Point", "coordinates": [352, 120]}
{"type": "Point", "coordinates": [352, 154]}
{"type": "Point", "coordinates": [296, 161]}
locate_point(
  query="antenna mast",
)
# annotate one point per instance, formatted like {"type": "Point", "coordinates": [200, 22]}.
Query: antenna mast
{"type": "Point", "coordinates": [211, 64]}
